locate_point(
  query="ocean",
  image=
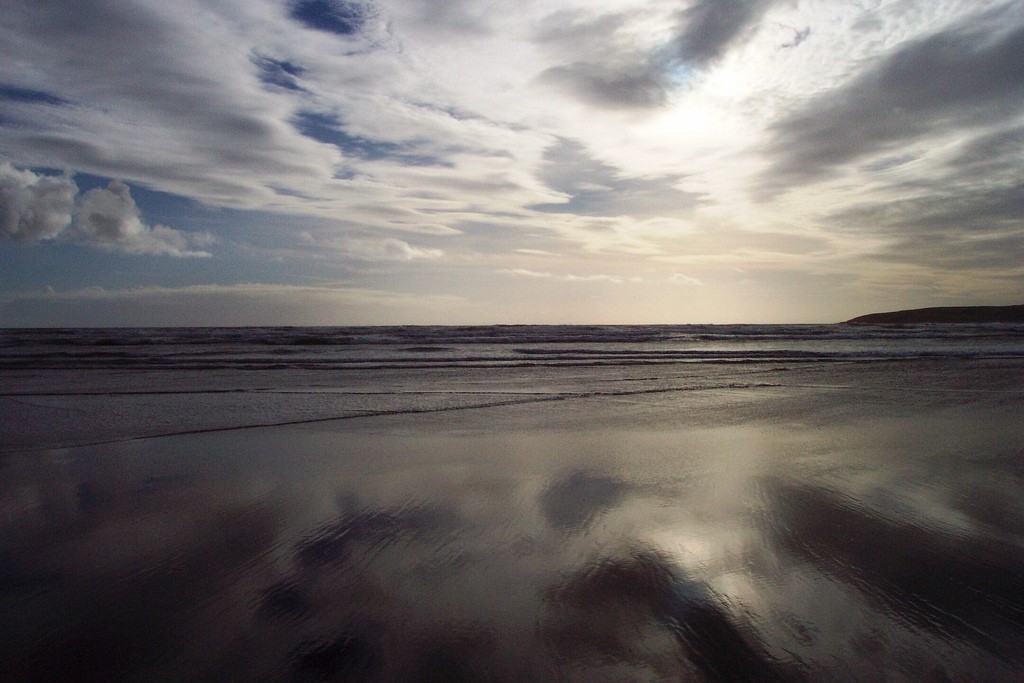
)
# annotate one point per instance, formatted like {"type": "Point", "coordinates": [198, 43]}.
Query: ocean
{"type": "Point", "coordinates": [331, 348]}
{"type": "Point", "coordinates": [513, 503]}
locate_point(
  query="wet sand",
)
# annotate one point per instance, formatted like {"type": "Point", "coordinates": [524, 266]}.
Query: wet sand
{"type": "Point", "coordinates": [861, 522]}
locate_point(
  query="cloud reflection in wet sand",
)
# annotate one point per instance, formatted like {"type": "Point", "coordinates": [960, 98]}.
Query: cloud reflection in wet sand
{"type": "Point", "coordinates": [958, 587]}
{"type": "Point", "coordinates": [700, 555]}
{"type": "Point", "coordinates": [603, 610]}
{"type": "Point", "coordinates": [574, 501]}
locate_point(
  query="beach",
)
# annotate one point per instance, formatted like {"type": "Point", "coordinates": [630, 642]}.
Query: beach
{"type": "Point", "coordinates": [766, 505]}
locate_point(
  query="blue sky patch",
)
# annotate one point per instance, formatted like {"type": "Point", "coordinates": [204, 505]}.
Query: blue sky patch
{"type": "Point", "coordinates": [279, 73]}
{"type": "Point", "coordinates": [327, 128]}
{"type": "Point", "coordinates": [15, 94]}
{"type": "Point", "coordinates": [334, 16]}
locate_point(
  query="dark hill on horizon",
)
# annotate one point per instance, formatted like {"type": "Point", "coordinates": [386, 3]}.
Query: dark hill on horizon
{"type": "Point", "coordinates": [945, 314]}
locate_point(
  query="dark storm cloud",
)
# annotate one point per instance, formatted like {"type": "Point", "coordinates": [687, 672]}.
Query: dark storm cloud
{"type": "Point", "coordinates": [595, 188]}
{"type": "Point", "coordinates": [963, 77]}
{"type": "Point", "coordinates": [710, 27]}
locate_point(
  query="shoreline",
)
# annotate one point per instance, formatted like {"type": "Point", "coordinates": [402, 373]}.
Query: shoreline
{"type": "Point", "coordinates": [685, 531]}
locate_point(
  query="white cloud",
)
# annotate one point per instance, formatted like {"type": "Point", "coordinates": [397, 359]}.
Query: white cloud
{"type": "Point", "coordinates": [677, 279]}
{"type": "Point", "coordinates": [387, 249]}
{"type": "Point", "coordinates": [163, 93]}
{"type": "Point", "coordinates": [37, 207]}
{"type": "Point", "coordinates": [523, 272]}
{"type": "Point", "coordinates": [684, 280]}
{"type": "Point", "coordinates": [108, 218]}
{"type": "Point", "coordinates": [33, 206]}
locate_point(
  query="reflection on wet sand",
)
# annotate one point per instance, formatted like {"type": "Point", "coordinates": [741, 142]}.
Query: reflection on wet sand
{"type": "Point", "coordinates": [367, 530]}
{"type": "Point", "coordinates": [674, 555]}
{"type": "Point", "coordinates": [608, 609]}
{"type": "Point", "coordinates": [113, 611]}
{"type": "Point", "coordinates": [574, 501]}
{"type": "Point", "coordinates": [346, 658]}
{"type": "Point", "coordinates": [958, 587]}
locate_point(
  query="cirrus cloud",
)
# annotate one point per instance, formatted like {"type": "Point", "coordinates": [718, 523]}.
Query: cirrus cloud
{"type": "Point", "coordinates": [387, 249]}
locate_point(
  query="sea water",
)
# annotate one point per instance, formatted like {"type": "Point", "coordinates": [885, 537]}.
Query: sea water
{"type": "Point", "coordinates": [513, 503]}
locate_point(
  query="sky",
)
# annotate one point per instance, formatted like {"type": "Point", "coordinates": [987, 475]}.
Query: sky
{"type": "Point", "coordinates": [354, 162]}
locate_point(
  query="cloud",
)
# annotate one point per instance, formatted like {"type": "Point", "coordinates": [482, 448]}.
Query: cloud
{"type": "Point", "coordinates": [387, 249]}
{"type": "Point", "coordinates": [627, 137]}
{"type": "Point", "coordinates": [930, 134]}
{"type": "Point", "coordinates": [459, 19]}
{"type": "Point", "coordinates": [523, 272]}
{"type": "Point", "coordinates": [962, 230]}
{"type": "Point", "coordinates": [675, 279]}
{"type": "Point", "coordinates": [159, 100]}
{"type": "Point", "coordinates": [602, 62]}
{"type": "Point", "coordinates": [37, 207]}
{"type": "Point", "coordinates": [965, 214]}
{"type": "Point", "coordinates": [624, 68]}
{"type": "Point", "coordinates": [961, 78]}
{"type": "Point", "coordinates": [994, 155]}
{"type": "Point", "coordinates": [108, 218]}
{"type": "Point", "coordinates": [968, 213]}
{"type": "Point", "coordinates": [596, 188]}
{"type": "Point", "coordinates": [799, 36]}
{"type": "Point", "coordinates": [611, 85]}
{"type": "Point", "coordinates": [32, 206]}
{"type": "Point", "coordinates": [684, 280]}
{"type": "Point", "coordinates": [708, 28]}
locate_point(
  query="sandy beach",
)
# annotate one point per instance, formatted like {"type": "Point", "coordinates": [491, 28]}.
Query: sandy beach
{"type": "Point", "coordinates": [745, 522]}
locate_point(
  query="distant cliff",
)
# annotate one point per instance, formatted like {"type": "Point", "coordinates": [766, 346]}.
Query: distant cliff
{"type": "Point", "coordinates": [946, 314]}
